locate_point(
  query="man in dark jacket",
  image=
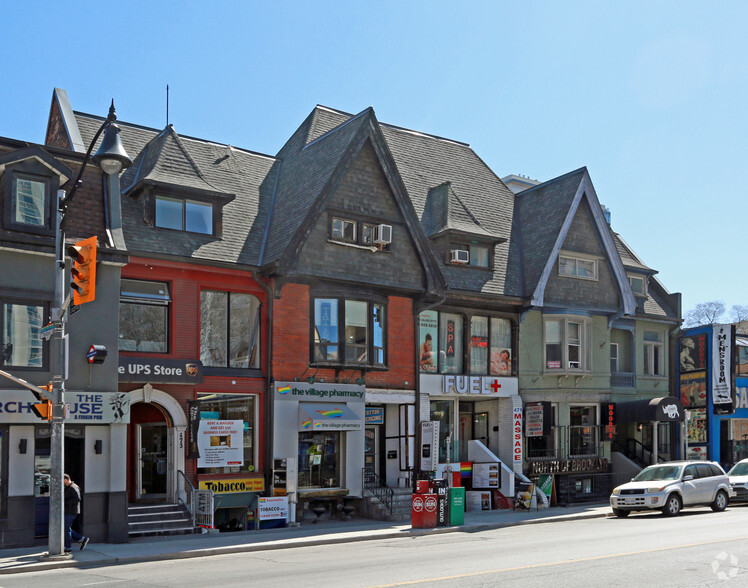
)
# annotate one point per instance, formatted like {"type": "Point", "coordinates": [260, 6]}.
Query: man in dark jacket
{"type": "Point", "coordinates": [72, 510]}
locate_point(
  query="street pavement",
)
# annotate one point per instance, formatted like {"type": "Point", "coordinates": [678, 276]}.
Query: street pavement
{"type": "Point", "coordinates": [327, 531]}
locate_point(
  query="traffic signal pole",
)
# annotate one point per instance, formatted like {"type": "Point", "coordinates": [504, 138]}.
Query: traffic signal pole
{"type": "Point", "coordinates": [57, 424]}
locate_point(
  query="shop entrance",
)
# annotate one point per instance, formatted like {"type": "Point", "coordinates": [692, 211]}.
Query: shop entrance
{"type": "Point", "coordinates": [371, 449]}
{"type": "Point", "coordinates": [473, 426]}
{"type": "Point", "coordinates": [74, 467]}
{"type": "Point", "coordinates": [152, 443]}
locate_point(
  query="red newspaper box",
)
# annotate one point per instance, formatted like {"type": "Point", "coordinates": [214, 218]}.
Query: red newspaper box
{"type": "Point", "coordinates": [423, 486]}
{"type": "Point", "coordinates": [423, 513]}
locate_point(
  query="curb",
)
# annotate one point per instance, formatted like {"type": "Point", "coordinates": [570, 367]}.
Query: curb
{"type": "Point", "coordinates": [285, 544]}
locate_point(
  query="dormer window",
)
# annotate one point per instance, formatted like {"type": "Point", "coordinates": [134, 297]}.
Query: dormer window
{"type": "Point", "coordinates": [577, 267]}
{"type": "Point", "coordinates": [182, 214]}
{"type": "Point", "coordinates": [30, 202]}
{"type": "Point", "coordinates": [477, 255]}
{"type": "Point", "coordinates": [638, 285]}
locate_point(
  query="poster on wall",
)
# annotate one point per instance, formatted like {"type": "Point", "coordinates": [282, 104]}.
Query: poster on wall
{"type": "Point", "coordinates": [693, 353]}
{"type": "Point", "coordinates": [697, 426]}
{"type": "Point", "coordinates": [693, 389]}
{"type": "Point", "coordinates": [486, 475]}
{"type": "Point", "coordinates": [428, 327]}
{"type": "Point", "coordinates": [220, 444]}
{"type": "Point", "coordinates": [722, 364]}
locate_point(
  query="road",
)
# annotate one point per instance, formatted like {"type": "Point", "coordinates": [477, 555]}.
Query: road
{"type": "Point", "coordinates": [698, 548]}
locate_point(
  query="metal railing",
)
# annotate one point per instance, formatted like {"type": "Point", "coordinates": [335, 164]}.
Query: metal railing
{"type": "Point", "coordinates": [622, 380]}
{"type": "Point", "coordinates": [569, 441]}
{"type": "Point", "coordinates": [189, 492]}
{"type": "Point", "coordinates": [375, 485]}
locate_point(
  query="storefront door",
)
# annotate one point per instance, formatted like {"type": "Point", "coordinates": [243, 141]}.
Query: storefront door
{"type": "Point", "coordinates": [152, 450]}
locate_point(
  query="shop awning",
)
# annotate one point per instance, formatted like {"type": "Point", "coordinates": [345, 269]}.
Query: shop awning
{"type": "Point", "coordinates": [665, 409]}
{"type": "Point", "coordinates": [328, 416]}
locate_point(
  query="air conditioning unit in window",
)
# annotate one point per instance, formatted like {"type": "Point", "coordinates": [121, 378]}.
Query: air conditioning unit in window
{"type": "Point", "coordinates": [459, 256]}
{"type": "Point", "coordinates": [574, 365]}
{"type": "Point", "coordinates": [382, 234]}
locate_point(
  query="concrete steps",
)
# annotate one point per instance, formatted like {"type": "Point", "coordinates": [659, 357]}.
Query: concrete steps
{"type": "Point", "coordinates": [158, 519]}
{"type": "Point", "coordinates": [401, 506]}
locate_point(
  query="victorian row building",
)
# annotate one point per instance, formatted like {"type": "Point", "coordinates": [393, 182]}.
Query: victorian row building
{"type": "Point", "coordinates": [324, 302]}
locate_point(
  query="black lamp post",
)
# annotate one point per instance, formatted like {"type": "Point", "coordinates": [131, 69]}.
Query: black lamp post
{"type": "Point", "coordinates": [112, 158]}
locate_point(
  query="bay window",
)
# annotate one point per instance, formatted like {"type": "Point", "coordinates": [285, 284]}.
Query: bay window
{"type": "Point", "coordinates": [567, 344]}
{"type": "Point", "coordinates": [348, 331]}
{"type": "Point", "coordinates": [490, 346]}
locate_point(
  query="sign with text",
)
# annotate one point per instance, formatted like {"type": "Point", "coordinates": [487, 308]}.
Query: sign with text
{"type": "Point", "coordinates": [95, 408]}
{"type": "Point", "coordinates": [233, 485]}
{"type": "Point", "coordinates": [220, 444]}
{"type": "Point", "coordinates": [272, 507]}
{"type": "Point", "coordinates": [517, 435]}
{"type": "Point", "coordinates": [457, 385]}
{"type": "Point", "coordinates": [331, 392]}
{"type": "Point", "coordinates": [162, 371]}
{"type": "Point", "coordinates": [538, 416]}
{"type": "Point", "coordinates": [722, 364]}
{"type": "Point", "coordinates": [374, 415]}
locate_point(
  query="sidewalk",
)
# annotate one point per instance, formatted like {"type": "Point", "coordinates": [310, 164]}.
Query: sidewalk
{"type": "Point", "coordinates": [329, 531]}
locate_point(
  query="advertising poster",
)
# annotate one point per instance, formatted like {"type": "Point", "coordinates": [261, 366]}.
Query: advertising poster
{"type": "Point", "coordinates": [428, 325]}
{"type": "Point", "coordinates": [693, 389]}
{"type": "Point", "coordinates": [220, 444]}
{"type": "Point", "coordinates": [697, 426]}
{"type": "Point", "coordinates": [274, 507]}
{"type": "Point", "coordinates": [722, 364]}
{"type": "Point", "coordinates": [534, 420]}
{"type": "Point", "coordinates": [486, 475]}
{"type": "Point", "coordinates": [501, 361]}
{"type": "Point", "coordinates": [693, 353]}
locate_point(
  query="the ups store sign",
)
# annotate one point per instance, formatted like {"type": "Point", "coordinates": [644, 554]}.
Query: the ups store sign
{"type": "Point", "coordinates": [161, 371]}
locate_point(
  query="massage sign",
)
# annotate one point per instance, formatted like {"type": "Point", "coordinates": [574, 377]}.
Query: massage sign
{"type": "Point", "coordinates": [220, 444]}
{"type": "Point", "coordinates": [517, 434]}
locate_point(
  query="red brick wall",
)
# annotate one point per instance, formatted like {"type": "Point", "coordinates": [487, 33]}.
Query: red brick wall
{"type": "Point", "coordinates": [292, 336]}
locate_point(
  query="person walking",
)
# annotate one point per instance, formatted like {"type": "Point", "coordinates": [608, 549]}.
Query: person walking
{"type": "Point", "coordinates": [72, 510]}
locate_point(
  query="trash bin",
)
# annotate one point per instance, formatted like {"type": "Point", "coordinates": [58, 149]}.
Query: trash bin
{"type": "Point", "coordinates": [457, 506]}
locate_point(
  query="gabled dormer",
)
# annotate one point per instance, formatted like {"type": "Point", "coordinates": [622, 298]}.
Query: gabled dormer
{"type": "Point", "coordinates": [30, 180]}
{"type": "Point", "coordinates": [173, 190]}
{"type": "Point", "coordinates": [456, 233]}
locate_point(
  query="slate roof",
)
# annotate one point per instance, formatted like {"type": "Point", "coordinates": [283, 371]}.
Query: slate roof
{"type": "Point", "coordinates": [167, 159]}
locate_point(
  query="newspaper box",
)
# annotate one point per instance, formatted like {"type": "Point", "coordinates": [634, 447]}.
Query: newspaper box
{"type": "Point", "coordinates": [423, 512]}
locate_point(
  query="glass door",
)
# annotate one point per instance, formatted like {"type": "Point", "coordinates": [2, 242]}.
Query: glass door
{"type": "Point", "coordinates": [153, 461]}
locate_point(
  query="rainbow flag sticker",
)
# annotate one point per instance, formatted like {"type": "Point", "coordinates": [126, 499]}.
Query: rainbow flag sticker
{"type": "Point", "coordinates": [334, 413]}
{"type": "Point", "coordinates": [306, 424]}
{"type": "Point", "coordinates": [466, 469]}
{"type": "Point", "coordinates": [284, 390]}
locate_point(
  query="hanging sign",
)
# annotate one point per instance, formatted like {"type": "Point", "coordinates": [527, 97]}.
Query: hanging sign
{"type": "Point", "coordinates": [722, 364]}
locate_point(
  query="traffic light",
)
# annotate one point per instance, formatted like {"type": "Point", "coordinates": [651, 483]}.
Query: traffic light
{"type": "Point", "coordinates": [44, 409]}
{"type": "Point", "coordinates": [83, 271]}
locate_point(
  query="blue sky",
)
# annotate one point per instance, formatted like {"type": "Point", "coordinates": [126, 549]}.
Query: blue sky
{"type": "Point", "coordinates": [650, 96]}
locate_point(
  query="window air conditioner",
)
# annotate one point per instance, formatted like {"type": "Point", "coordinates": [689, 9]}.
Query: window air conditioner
{"type": "Point", "coordinates": [383, 234]}
{"type": "Point", "coordinates": [459, 256]}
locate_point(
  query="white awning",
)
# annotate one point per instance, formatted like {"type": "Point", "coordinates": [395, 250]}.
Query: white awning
{"type": "Point", "coordinates": [328, 416]}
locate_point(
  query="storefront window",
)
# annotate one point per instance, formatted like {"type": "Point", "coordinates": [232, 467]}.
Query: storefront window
{"type": "Point", "coordinates": [442, 411]}
{"type": "Point", "coordinates": [450, 343]}
{"type": "Point", "coordinates": [229, 407]}
{"type": "Point", "coordinates": [583, 430]}
{"type": "Point", "coordinates": [319, 459]}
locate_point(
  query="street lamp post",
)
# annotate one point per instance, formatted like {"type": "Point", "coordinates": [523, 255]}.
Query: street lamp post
{"type": "Point", "coordinates": [112, 158]}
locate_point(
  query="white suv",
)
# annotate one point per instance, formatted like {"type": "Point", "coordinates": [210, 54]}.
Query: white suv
{"type": "Point", "coordinates": [671, 486]}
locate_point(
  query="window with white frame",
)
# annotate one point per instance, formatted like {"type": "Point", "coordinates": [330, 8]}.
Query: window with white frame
{"type": "Point", "coordinates": [654, 353]}
{"type": "Point", "coordinates": [478, 255]}
{"type": "Point", "coordinates": [577, 267]}
{"type": "Point", "coordinates": [567, 344]}
{"type": "Point", "coordinates": [343, 229]}
{"type": "Point", "coordinates": [614, 358]}
{"type": "Point", "coordinates": [638, 285]}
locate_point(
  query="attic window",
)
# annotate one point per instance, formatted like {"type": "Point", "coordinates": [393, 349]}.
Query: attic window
{"type": "Point", "coordinates": [343, 230]}
{"type": "Point", "coordinates": [638, 285]}
{"type": "Point", "coordinates": [577, 267]}
{"type": "Point", "coordinates": [182, 214]}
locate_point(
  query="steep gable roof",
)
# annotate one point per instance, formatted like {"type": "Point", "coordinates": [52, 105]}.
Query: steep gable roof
{"type": "Point", "coordinates": [545, 214]}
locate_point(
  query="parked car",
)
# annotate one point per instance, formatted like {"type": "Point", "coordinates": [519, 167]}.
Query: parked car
{"type": "Point", "coordinates": [671, 486]}
{"type": "Point", "coordinates": [739, 480]}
